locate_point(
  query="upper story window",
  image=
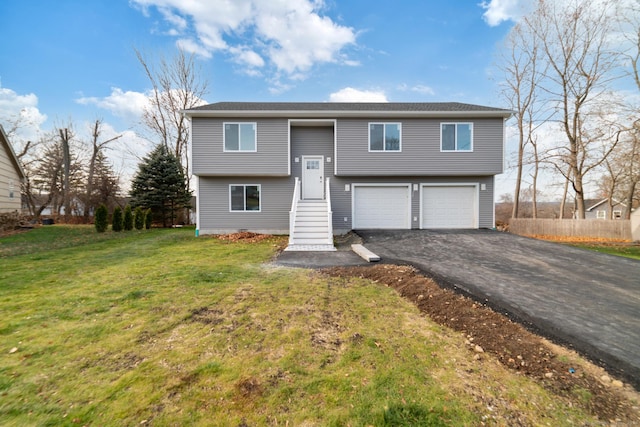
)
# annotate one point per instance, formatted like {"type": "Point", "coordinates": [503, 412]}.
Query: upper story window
{"type": "Point", "coordinates": [601, 214]}
{"type": "Point", "coordinates": [385, 137]}
{"type": "Point", "coordinates": [456, 137]}
{"type": "Point", "coordinates": [12, 189]}
{"type": "Point", "coordinates": [240, 137]}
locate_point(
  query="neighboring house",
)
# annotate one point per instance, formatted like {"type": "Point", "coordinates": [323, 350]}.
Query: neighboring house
{"type": "Point", "coordinates": [313, 169]}
{"type": "Point", "coordinates": [599, 209]}
{"type": "Point", "coordinates": [11, 176]}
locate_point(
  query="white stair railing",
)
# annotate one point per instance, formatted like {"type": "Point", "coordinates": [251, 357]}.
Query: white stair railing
{"type": "Point", "coordinates": [294, 208]}
{"type": "Point", "coordinates": [329, 214]}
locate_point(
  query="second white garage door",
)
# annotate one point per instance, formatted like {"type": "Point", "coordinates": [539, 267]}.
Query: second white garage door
{"type": "Point", "coordinates": [381, 206]}
{"type": "Point", "coordinates": [450, 206]}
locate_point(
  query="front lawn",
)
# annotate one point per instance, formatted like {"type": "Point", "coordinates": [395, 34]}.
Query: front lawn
{"type": "Point", "coordinates": [625, 250]}
{"type": "Point", "coordinates": [158, 327]}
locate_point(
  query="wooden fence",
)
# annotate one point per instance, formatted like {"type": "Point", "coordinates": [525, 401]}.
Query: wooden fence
{"type": "Point", "coordinates": [597, 228]}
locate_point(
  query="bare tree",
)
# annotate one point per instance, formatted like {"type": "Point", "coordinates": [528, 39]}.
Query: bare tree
{"type": "Point", "coordinates": [65, 137]}
{"type": "Point", "coordinates": [97, 148]}
{"type": "Point", "coordinates": [521, 76]}
{"type": "Point", "coordinates": [574, 38]}
{"type": "Point", "coordinates": [176, 85]}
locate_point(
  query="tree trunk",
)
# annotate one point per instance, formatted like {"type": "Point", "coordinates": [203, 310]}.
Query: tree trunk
{"type": "Point", "coordinates": [66, 156]}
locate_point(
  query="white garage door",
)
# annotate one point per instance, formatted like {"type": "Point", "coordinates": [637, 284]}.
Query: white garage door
{"type": "Point", "coordinates": [381, 207]}
{"type": "Point", "coordinates": [452, 206]}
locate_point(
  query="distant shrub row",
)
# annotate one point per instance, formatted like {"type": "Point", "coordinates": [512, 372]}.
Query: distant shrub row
{"type": "Point", "coordinates": [120, 220]}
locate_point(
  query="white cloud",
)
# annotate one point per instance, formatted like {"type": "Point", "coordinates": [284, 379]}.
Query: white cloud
{"type": "Point", "coordinates": [421, 89]}
{"type": "Point", "coordinates": [498, 11]}
{"type": "Point", "coordinates": [120, 103]}
{"type": "Point", "coordinates": [21, 111]}
{"type": "Point", "coordinates": [191, 46]}
{"type": "Point", "coordinates": [290, 35]}
{"type": "Point", "coordinates": [350, 94]}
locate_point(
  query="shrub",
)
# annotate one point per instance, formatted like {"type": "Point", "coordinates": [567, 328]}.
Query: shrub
{"type": "Point", "coordinates": [117, 221]}
{"type": "Point", "coordinates": [148, 216]}
{"type": "Point", "coordinates": [128, 218]}
{"type": "Point", "coordinates": [101, 219]}
{"type": "Point", "coordinates": [138, 221]}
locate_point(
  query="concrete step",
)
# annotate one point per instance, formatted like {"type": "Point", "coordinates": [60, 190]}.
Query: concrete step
{"type": "Point", "coordinates": [309, 241]}
{"type": "Point", "coordinates": [322, 225]}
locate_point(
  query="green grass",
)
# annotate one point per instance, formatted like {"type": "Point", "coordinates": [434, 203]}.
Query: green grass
{"type": "Point", "coordinates": [161, 327]}
{"type": "Point", "coordinates": [628, 251]}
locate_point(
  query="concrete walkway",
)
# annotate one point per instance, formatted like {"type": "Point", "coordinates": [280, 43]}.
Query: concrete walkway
{"type": "Point", "coordinates": [579, 297]}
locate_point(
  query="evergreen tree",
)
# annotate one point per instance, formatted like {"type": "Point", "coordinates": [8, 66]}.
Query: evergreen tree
{"type": "Point", "coordinates": [138, 220]}
{"type": "Point", "coordinates": [160, 185]}
{"type": "Point", "coordinates": [101, 219]}
{"type": "Point", "coordinates": [127, 223]}
{"type": "Point", "coordinates": [117, 221]}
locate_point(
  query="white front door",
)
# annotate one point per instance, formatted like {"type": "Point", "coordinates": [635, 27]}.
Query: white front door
{"type": "Point", "coordinates": [312, 177]}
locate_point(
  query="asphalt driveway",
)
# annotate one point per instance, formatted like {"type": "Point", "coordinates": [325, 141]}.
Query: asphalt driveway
{"type": "Point", "coordinates": [579, 297]}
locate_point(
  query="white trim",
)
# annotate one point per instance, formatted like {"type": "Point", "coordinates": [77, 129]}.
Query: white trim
{"type": "Point", "coordinates": [456, 140]}
{"type": "Point", "coordinates": [302, 174]}
{"type": "Point", "coordinates": [354, 185]}
{"type": "Point", "coordinates": [328, 114]}
{"type": "Point", "coordinates": [224, 137]}
{"type": "Point", "coordinates": [384, 131]}
{"type": "Point", "coordinates": [245, 202]}
{"type": "Point", "coordinates": [198, 206]}
{"type": "Point", "coordinates": [476, 207]}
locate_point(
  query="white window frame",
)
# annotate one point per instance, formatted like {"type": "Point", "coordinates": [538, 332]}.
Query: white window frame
{"type": "Point", "coordinates": [617, 214]}
{"type": "Point", "coordinates": [224, 137]}
{"type": "Point", "coordinates": [12, 189]}
{"type": "Point", "coordinates": [384, 132]}
{"type": "Point", "coordinates": [245, 198]}
{"type": "Point", "coordinates": [601, 214]}
{"type": "Point", "coordinates": [456, 150]}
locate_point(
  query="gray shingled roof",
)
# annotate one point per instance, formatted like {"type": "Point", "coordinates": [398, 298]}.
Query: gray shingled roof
{"type": "Point", "coordinates": [349, 107]}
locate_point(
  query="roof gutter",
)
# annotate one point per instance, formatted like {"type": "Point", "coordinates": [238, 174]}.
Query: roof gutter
{"type": "Point", "coordinates": [326, 114]}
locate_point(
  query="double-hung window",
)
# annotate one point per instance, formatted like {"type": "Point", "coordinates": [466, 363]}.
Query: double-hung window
{"type": "Point", "coordinates": [456, 136]}
{"type": "Point", "coordinates": [385, 137]}
{"type": "Point", "coordinates": [244, 198]}
{"type": "Point", "coordinates": [240, 137]}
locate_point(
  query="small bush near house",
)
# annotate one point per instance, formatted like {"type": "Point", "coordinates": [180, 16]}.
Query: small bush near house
{"type": "Point", "coordinates": [138, 221]}
{"type": "Point", "coordinates": [148, 216]}
{"type": "Point", "coordinates": [117, 221]}
{"type": "Point", "coordinates": [101, 219]}
{"type": "Point", "coordinates": [128, 218]}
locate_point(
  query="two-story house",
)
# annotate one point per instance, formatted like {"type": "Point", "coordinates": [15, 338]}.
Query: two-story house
{"type": "Point", "coordinates": [314, 169]}
{"type": "Point", "coordinates": [11, 176]}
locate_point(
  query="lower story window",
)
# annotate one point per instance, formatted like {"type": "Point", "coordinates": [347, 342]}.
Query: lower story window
{"type": "Point", "coordinates": [244, 197]}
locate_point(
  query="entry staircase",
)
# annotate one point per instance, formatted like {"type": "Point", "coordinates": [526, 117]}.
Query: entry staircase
{"type": "Point", "coordinates": [310, 222]}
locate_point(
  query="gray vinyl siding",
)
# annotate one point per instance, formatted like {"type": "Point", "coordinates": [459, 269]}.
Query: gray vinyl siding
{"type": "Point", "coordinates": [209, 158]}
{"type": "Point", "coordinates": [8, 175]}
{"type": "Point", "coordinates": [311, 141]}
{"type": "Point", "coordinates": [420, 154]}
{"type": "Point", "coordinates": [420, 162]}
{"type": "Point", "coordinates": [214, 211]}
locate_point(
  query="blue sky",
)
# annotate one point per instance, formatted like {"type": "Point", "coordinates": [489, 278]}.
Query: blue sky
{"type": "Point", "coordinates": [74, 60]}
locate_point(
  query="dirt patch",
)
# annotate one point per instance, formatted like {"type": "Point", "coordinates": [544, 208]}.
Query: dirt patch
{"type": "Point", "coordinates": [515, 347]}
{"type": "Point", "coordinates": [580, 239]}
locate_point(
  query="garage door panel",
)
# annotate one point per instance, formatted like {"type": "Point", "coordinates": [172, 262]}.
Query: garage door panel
{"type": "Point", "coordinates": [449, 207]}
{"type": "Point", "coordinates": [381, 207]}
